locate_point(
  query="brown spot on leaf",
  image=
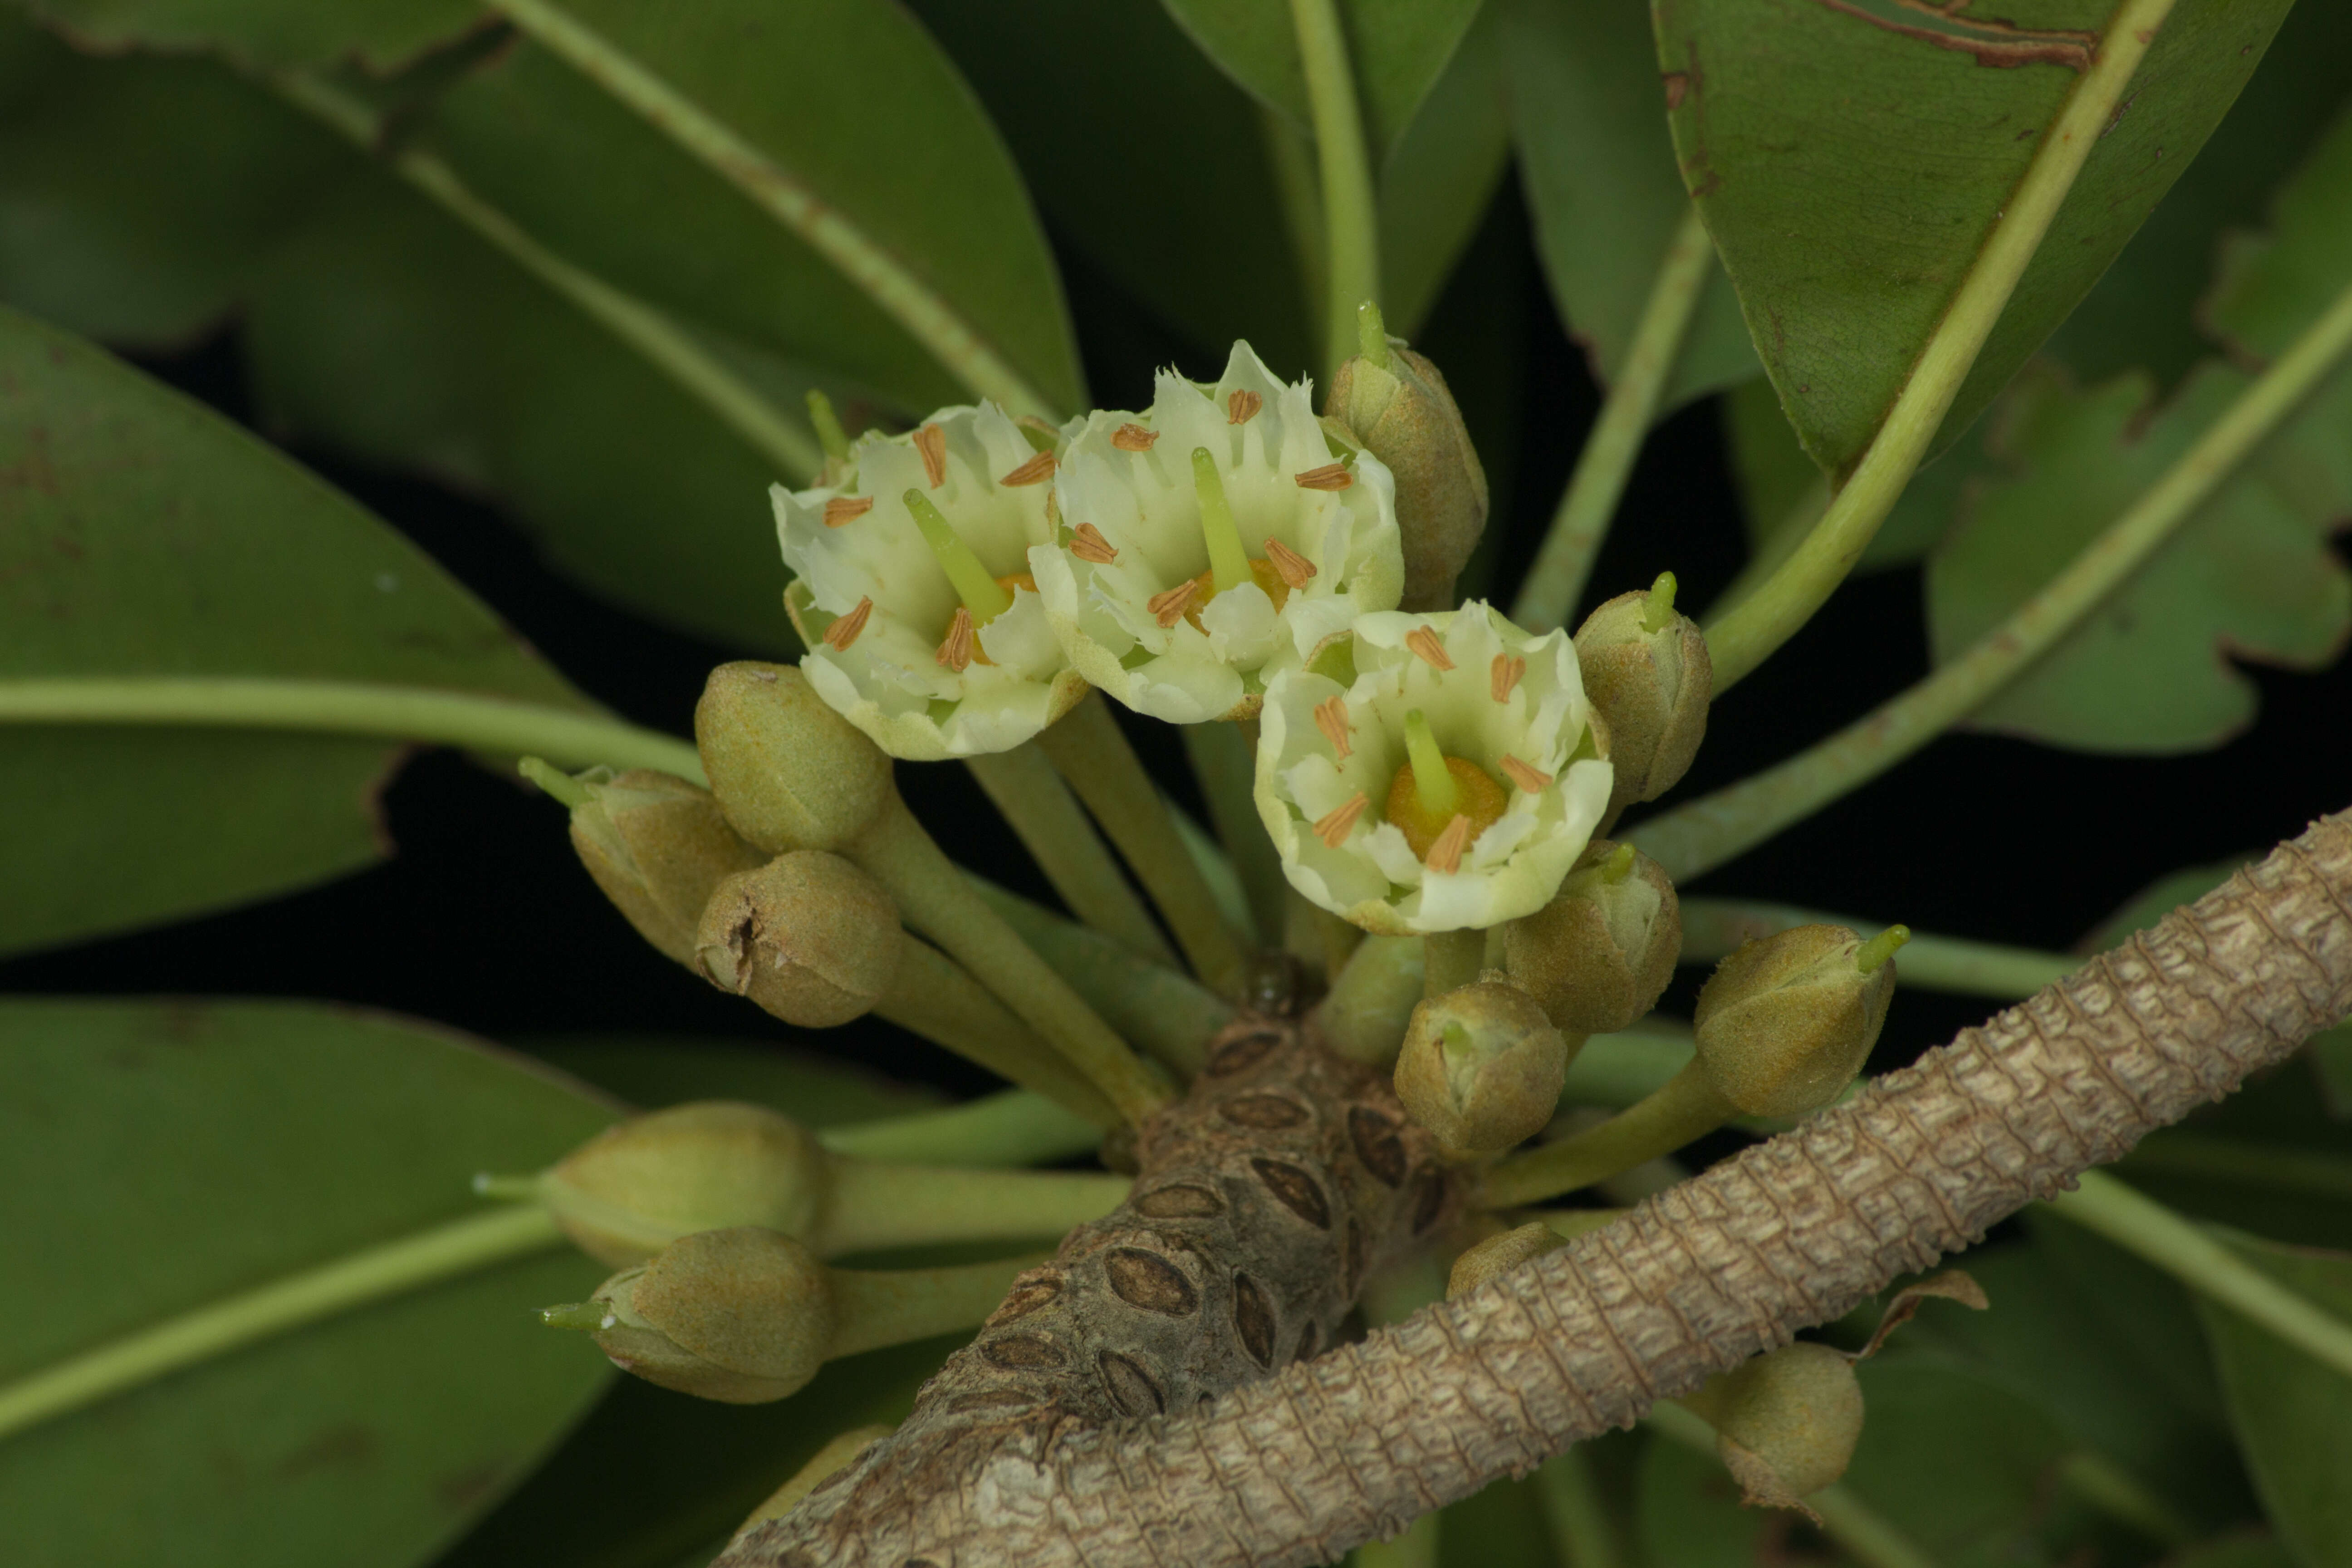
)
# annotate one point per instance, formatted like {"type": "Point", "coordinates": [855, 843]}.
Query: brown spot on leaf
{"type": "Point", "coordinates": [1148, 1280]}
{"type": "Point", "coordinates": [345, 1447]}
{"type": "Point", "coordinates": [1179, 1200]}
{"type": "Point", "coordinates": [1241, 1052]}
{"type": "Point", "coordinates": [1254, 1320]}
{"type": "Point", "coordinates": [1677, 89]}
{"type": "Point", "coordinates": [1025, 1298]}
{"type": "Point", "coordinates": [1024, 1352]}
{"type": "Point", "coordinates": [1130, 1387]}
{"type": "Point", "coordinates": [1378, 1147]}
{"type": "Point", "coordinates": [1295, 1190]}
{"type": "Point", "coordinates": [1267, 1112]}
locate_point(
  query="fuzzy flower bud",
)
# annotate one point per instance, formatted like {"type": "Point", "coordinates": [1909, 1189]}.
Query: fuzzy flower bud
{"type": "Point", "coordinates": [789, 772]}
{"type": "Point", "coordinates": [656, 846]}
{"type": "Point", "coordinates": [1600, 954]}
{"type": "Point", "coordinates": [1499, 1255]}
{"type": "Point", "coordinates": [1786, 1022]}
{"type": "Point", "coordinates": [741, 1315]}
{"type": "Point", "coordinates": [1786, 1423]}
{"type": "Point", "coordinates": [1481, 1067]}
{"type": "Point", "coordinates": [1646, 669]}
{"type": "Point", "coordinates": [636, 1187]}
{"type": "Point", "coordinates": [1395, 404]}
{"type": "Point", "coordinates": [808, 936]}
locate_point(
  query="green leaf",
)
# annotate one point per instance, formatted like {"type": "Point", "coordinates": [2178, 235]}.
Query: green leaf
{"type": "Point", "coordinates": [1599, 176]}
{"type": "Point", "coordinates": [2293, 1414]}
{"type": "Point", "coordinates": [380, 34]}
{"type": "Point", "coordinates": [149, 537]}
{"type": "Point", "coordinates": [1440, 176]}
{"type": "Point", "coordinates": [652, 1072]}
{"type": "Point", "coordinates": [1102, 104]}
{"type": "Point", "coordinates": [1687, 1512]}
{"type": "Point", "coordinates": [1851, 161]}
{"type": "Point", "coordinates": [1961, 1460]}
{"type": "Point", "coordinates": [1399, 47]}
{"type": "Point", "coordinates": [2249, 1549]}
{"type": "Point", "coordinates": [853, 99]}
{"type": "Point", "coordinates": [160, 1156]}
{"type": "Point", "coordinates": [2159, 899]}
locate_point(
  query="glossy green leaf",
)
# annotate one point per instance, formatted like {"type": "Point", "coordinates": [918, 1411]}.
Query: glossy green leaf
{"type": "Point", "coordinates": [380, 34]}
{"type": "Point", "coordinates": [156, 1157]}
{"type": "Point", "coordinates": [147, 536]}
{"type": "Point", "coordinates": [2244, 1548]}
{"type": "Point", "coordinates": [1687, 1510]}
{"type": "Point", "coordinates": [1851, 161]}
{"type": "Point", "coordinates": [1598, 170]}
{"type": "Point", "coordinates": [1440, 176]}
{"type": "Point", "coordinates": [651, 1071]}
{"type": "Point", "coordinates": [2293, 1414]}
{"type": "Point", "coordinates": [1099, 102]}
{"type": "Point", "coordinates": [1399, 47]}
{"type": "Point", "coordinates": [1963, 1461]}
{"type": "Point", "coordinates": [853, 99]}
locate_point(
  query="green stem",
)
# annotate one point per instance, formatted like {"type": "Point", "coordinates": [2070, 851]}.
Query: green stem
{"type": "Point", "coordinates": [1747, 634]}
{"type": "Point", "coordinates": [356, 1279]}
{"type": "Point", "coordinates": [1684, 1108]}
{"type": "Point", "coordinates": [1363, 1015]}
{"type": "Point", "coordinates": [1012, 1127]}
{"type": "Point", "coordinates": [1168, 1014]}
{"type": "Point", "coordinates": [1222, 759]}
{"type": "Point", "coordinates": [937, 901]}
{"type": "Point", "coordinates": [1089, 749]}
{"type": "Point", "coordinates": [879, 1307]}
{"type": "Point", "coordinates": [1715, 928]}
{"type": "Point", "coordinates": [1045, 817]}
{"type": "Point", "coordinates": [476, 723]}
{"type": "Point", "coordinates": [2170, 1153]}
{"type": "Point", "coordinates": [2153, 1233]}
{"type": "Point", "coordinates": [1574, 1514]}
{"type": "Point", "coordinates": [1415, 1546]}
{"type": "Point", "coordinates": [1290, 158]}
{"type": "Point", "coordinates": [1866, 1535]}
{"type": "Point", "coordinates": [1557, 580]}
{"type": "Point", "coordinates": [2121, 1496]}
{"type": "Point", "coordinates": [1707, 832]}
{"type": "Point", "coordinates": [874, 1205]}
{"type": "Point", "coordinates": [1450, 960]}
{"type": "Point", "coordinates": [1623, 1068]}
{"type": "Point", "coordinates": [1350, 215]}
{"type": "Point", "coordinates": [934, 995]}
{"type": "Point", "coordinates": [674, 354]}
{"type": "Point", "coordinates": [868, 264]}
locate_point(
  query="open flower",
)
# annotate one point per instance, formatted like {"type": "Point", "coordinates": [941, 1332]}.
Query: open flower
{"type": "Point", "coordinates": [912, 592]}
{"type": "Point", "coordinates": [1212, 540]}
{"type": "Point", "coordinates": [1449, 784]}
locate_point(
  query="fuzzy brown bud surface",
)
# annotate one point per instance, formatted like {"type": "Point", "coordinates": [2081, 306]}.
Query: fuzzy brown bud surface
{"type": "Point", "coordinates": [808, 936]}
{"type": "Point", "coordinates": [1652, 685]}
{"type": "Point", "coordinates": [1786, 1423]}
{"type": "Point", "coordinates": [1785, 1023]}
{"type": "Point", "coordinates": [1405, 415]}
{"type": "Point", "coordinates": [656, 846]}
{"type": "Point", "coordinates": [1499, 1255]}
{"type": "Point", "coordinates": [1601, 953]}
{"type": "Point", "coordinates": [634, 1188]}
{"type": "Point", "coordinates": [789, 772]}
{"type": "Point", "coordinates": [742, 1316]}
{"type": "Point", "coordinates": [1481, 1067]}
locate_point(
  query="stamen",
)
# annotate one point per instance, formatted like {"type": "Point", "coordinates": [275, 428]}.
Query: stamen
{"type": "Point", "coordinates": [1531, 780]}
{"type": "Point", "coordinates": [1503, 675]}
{"type": "Point", "coordinates": [1242, 406]}
{"type": "Point", "coordinates": [980, 591]}
{"type": "Point", "coordinates": [1334, 825]}
{"type": "Point", "coordinates": [955, 648]}
{"type": "Point", "coordinates": [843, 510]}
{"type": "Point", "coordinates": [1331, 718]}
{"type": "Point", "coordinates": [1432, 780]}
{"type": "Point", "coordinates": [1133, 439]}
{"type": "Point", "coordinates": [844, 631]}
{"type": "Point", "coordinates": [1330, 477]}
{"type": "Point", "coordinates": [1166, 608]}
{"type": "Point", "coordinates": [1296, 569]}
{"type": "Point", "coordinates": [1423, 641]}
{"type": "Point", "coordinates": [1445, 855]}
{"type": "Point", "coordinates": [1090, 545]}
{"type": "Point", "coordinates": [1036, 470]}
{"type": "Point", "coordinates": [932, 443]}
{"type": "Point", "coordinates": [1228, 562]}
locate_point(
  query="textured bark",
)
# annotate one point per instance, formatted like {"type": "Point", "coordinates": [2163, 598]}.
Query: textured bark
{"type": "Point", "coordinates": [1295, 1468]}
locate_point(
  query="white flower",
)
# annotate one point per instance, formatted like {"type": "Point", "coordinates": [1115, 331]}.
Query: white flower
{"type": "Point", "coordinates": [895, 644]}
{"type": "Point", "coordinates": [1339, 792]}
{"type": "Point", "coordinates": [1185, 629]}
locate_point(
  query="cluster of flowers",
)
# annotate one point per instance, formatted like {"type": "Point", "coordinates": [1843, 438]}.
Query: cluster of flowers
{"type": "Point", "coordinates": [1223, 556]}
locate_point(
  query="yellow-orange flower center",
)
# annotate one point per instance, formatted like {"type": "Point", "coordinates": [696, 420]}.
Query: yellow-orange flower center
{"type": "Point", "coordinates": [1476, 795]}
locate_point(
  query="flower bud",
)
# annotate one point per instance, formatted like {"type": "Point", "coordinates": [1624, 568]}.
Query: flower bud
{"type": "Point", "coordinates": [1785, 1023]}
{"type": "Point", "coordinates": [741, 1315]}
{"type": "Point", "coordinates": [1500, 1255]}
{"type": "Point", "coordinates": [1786, 1423]}
{"type": "Point", "coordinates": [656, 846]}
{"type": "Point", "coordinates": [1646, 670]}
{"type": "Point", "coordinates": [1403, 414]}
{"type": "Point", "coordinates": [634, 1188]}
{"type": "Point", "coordinates": [808, 936]}
{"type": "Point", "coordinates": [1481, 1067]}
{"type": "Point", "coordinates": [789, 772]}
{"type": "Point", "coordinates": [1600, 954]}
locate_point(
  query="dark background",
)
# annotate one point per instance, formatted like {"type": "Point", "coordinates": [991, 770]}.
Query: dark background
{"type": "Point", "coordinates": [484, 920]}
